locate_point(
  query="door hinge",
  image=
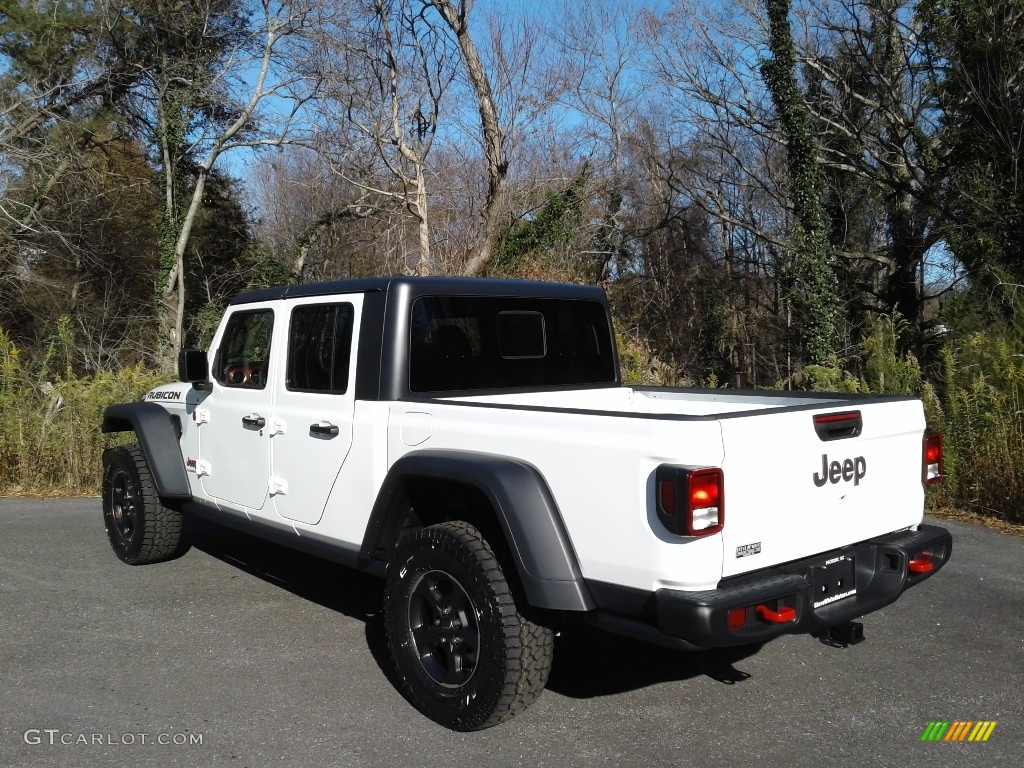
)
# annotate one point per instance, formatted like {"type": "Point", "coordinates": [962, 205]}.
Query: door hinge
{"type": "Point", "coordinates": [278, 486]}
{"type": "Point", "coordinates": [201, 416]}
{"type": "Point", "coordinates": [277, 427]}
{"type": "Point", "coordinates": [202, 467]}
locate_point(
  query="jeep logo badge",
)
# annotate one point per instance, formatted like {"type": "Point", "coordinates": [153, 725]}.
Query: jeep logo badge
{"type": "Point", "coordinates": [849, 469]}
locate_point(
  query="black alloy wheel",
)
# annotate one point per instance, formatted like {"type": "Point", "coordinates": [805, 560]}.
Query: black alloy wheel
{"type": "Point", "coordinates": [140, 528]}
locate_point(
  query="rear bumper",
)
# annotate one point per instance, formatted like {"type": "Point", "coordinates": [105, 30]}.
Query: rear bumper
{"type": "Point", "coordinates": [779, 600]}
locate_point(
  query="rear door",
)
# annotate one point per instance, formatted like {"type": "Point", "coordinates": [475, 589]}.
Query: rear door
{"type": "Point", "coordinates": [314, 404]}
{"type": "Point", "coordinates": [795, 488]}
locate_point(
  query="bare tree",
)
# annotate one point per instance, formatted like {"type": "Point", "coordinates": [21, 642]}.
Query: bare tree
{"type": "Point", "coordinates": [605, 56]}
{"type": "Point", "coordinates": [864, 85]}
{"type": "Point", "coordinates": [87, 255]}
{"type": "Point", "coordinates": [59, 83]}
{"type": "Point", "coordinates": [874, 105]}
{"type": "Point", "coordinates": [496, 161]}
{"type": "Point", "coordinates": [319, 224]}
{"type": "Point", "coordinates": [257, 99]}
{"type": "Point", "coordinates": [386, 69]}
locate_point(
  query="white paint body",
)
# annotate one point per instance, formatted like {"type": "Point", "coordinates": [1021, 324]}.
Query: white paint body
{"type": "Point", "coordinates": [597, 449]}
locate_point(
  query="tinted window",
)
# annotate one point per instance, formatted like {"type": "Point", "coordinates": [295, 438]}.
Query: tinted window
{"type": "Point", "coordinates": [521, 335]}
{"type": "Point", "coordinates": [319, 348]}
{"type": "Point", "coordinates": [244, 350]}
{"type": "Point", "coordinates": [478, 342]}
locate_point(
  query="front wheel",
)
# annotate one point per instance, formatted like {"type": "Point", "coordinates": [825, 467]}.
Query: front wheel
{"type": "Point", "coordinates": [140, 528]}
{"type": "Point", "coordinates": [466, 656]}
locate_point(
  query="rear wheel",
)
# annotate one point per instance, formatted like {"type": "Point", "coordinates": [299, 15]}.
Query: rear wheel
{"type": "Point", "coordinates": [140, 528]}
{"type": "Point", "coordinates": [466, 656]}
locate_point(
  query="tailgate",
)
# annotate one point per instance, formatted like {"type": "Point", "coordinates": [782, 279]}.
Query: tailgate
{"type": "Point", "coordinates": [791, 492]}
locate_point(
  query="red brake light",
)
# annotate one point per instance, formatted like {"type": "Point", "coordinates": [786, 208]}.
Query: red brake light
{"type": "Point", "coordinates": [700, 497]}
{"type": "Point", "coordinates": [705, 514]}
{"type": "Point", "coordinates": [838, 426]}
{"type": "Point", "coordinates": [831, 418]}
{"type": "Point", "coordinates": [689, 501]}
{"type": "Point", "coordinates": [932, 461]}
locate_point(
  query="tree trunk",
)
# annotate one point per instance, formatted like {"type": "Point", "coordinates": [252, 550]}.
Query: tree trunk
{"type": "Point", "coordinates": [172, 309]}
{"type": "Point", "coordinates": [495, 161]}
{"type": "Point", "coordinates": [424, 266]}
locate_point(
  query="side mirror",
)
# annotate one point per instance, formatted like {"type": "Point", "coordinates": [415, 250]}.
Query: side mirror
{"type": "Point", "coordinates": [193, 366]}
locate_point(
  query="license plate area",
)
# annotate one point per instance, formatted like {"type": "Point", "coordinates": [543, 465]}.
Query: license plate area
{"type": "Point", "coordinates": [832, 581]}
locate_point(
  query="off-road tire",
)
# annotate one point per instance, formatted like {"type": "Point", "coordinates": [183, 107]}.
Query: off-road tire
{"type": "Point", "coordinates": [140, 528]}
{"type": "Point", "coordinates": [466, 656]}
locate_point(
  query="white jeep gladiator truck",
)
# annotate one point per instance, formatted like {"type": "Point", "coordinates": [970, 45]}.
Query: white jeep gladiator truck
{"type": "Point", "coordinates": [471, 441]}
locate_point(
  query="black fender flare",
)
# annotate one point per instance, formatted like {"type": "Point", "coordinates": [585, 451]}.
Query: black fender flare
{"type": "Point", "coordinates": [157, 433]}
{"type": "Point", "coordinates": [529, 518]}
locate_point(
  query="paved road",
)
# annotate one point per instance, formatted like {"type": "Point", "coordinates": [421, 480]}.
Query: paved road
{"type": "Point", "coordinates": [273, 660]}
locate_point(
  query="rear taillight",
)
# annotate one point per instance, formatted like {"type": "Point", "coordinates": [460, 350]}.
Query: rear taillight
{"type": "Point", "coordinates": [690, 501]}
{"type": "Point", "coordinates": [932, 460]}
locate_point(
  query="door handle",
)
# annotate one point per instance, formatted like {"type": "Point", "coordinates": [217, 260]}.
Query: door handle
{"type": "Point", "coordinates": [254, 420]}
{"type": "Point", "coordinates": [324, 429]}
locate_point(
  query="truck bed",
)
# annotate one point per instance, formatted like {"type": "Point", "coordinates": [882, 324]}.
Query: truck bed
{"type": "Point", "coordinates": [784, 500]}
{"type": "Point", "coordinates": [681, 402]}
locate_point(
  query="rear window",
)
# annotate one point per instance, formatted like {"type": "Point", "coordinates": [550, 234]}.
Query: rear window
{"type": "Point", "coordinates": [491, 342]}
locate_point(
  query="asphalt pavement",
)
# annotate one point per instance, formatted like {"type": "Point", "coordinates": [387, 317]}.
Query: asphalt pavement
{"type": "Point", "coordinates": [244, 655]}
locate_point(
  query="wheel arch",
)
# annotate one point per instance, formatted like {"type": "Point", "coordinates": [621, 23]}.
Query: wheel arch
{"type": "Point", "coordinates": [158, 436]}
{"type": "Point", "coordinates": [499, 495]}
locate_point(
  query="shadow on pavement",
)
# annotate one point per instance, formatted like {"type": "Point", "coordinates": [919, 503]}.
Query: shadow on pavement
{"type": "Point", "coordinates": [320, 581]}
{"type": "Point", "coordinates": [590, 663]}
{"type": "Point", "coordinates": [333, 586]}
{"type": "Point", "coordinates": [587, 662]}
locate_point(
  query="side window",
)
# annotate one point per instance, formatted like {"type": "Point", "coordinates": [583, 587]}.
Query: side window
{"type": "Point", "coordinates": [320, 348]}
{"type": "Point", "coordinates": [245, 350]}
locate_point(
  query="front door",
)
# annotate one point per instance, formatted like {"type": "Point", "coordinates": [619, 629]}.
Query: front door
{"type": "Point", "coordinates": [234, 441]}
{"type": "Point", "coordinates": [314, 404]}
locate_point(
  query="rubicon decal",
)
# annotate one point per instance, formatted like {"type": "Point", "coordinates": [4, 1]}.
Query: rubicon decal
{"type": "Point", "coordinates": [844, 471]}
{"type": "Point", "coordinates": [176, 395]}
{"type": "Point", "coordinates": [959, 730]}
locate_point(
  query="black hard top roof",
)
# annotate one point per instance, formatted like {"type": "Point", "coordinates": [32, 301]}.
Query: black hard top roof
{"type": "Point", "coordinates": [428, 286]}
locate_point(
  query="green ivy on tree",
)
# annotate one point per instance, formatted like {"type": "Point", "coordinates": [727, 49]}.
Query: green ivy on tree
{"type": "Point", "coordinates": [977, 56]}
{"type": "Point", "coordinates": [552, 225]}
{"type": "Point", "coordinates": [813, 289]}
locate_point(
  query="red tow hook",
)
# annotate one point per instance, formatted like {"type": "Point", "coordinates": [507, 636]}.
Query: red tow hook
{"type": "Point", "coordinates": [920, 566]}
{"type": "Point", "coordinates": [781, 616]}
